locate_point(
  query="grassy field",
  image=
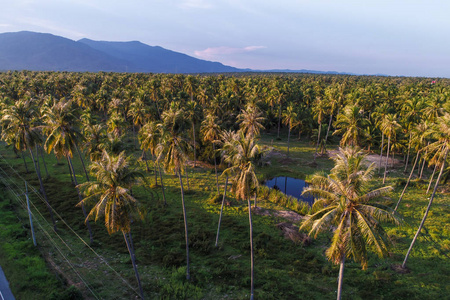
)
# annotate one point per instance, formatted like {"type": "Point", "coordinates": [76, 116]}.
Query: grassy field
{"type": "Point", "coordinates": [283, 269]}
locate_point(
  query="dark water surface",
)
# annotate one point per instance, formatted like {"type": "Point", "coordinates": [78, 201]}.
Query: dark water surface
{"type": "Point", "coordinates": [290, 186]}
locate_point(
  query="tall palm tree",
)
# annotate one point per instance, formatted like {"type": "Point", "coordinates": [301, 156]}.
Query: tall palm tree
{"type": "Point", "coordinates": [335, 96]}
{"type": "Point", "coordinates": [344, 200]}
{"type": "Point", "coordinates": [250, 120]}
{"type": "Point", "coordinates": [194, 112]}
{"type": "Point", "coordinates": [172, 151]}
{"type": "Point", "coordinates": [440, 148]}
{"type": "Point", "coordinates": [19, 128]}
{"type": "Point", "coordinates": [389, 126]}
{"type": "Point", "coordinates": [378, 116]}
{"type": "Point", "coordinates": [111, 193]}
{"type": "Point", "coordinates": [228, 139]}
{"type": "Point", "coordinates": [318, 112]}
{"type": "Point", "coordinates": [63, 134]}
{"type": "Point", "coordinates": [419, 134]}
{"type": "Point", "coordinates": [290, 119]}
{"type": "Point", "coordinates": [241, 158]}
{"type": "Point", "coordinates": [350, 123]}
{"type": "Point", "coordinates": [211, 130]}
{"type": "Point", "coordinates": [94, 136]}
{"type": "Point", "coordinates": [138, 112]}
{"type": "Point", "coordinates": [149, 137]}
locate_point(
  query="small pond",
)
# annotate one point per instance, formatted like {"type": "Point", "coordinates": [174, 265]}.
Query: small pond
{"type": "Point", "coordinates": [290, 186]}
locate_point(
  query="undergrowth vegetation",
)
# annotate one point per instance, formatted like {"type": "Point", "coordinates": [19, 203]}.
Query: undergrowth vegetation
{"type": "Point", "coordinates": [283, 269]}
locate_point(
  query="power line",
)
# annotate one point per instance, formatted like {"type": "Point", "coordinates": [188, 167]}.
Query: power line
{"type": "Point", "coordinates": [39, 196]}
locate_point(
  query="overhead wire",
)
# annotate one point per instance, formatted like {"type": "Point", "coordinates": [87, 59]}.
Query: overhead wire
{"type": "Point", "coordinates": [36, 193]}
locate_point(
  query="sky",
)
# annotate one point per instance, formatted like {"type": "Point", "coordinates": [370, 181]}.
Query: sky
{"type": "Point", "coordinates": [397, 37]}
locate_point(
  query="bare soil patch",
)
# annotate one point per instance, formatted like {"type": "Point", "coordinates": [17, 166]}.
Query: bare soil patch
{"type": "Point", "coordinates": [373, 158]}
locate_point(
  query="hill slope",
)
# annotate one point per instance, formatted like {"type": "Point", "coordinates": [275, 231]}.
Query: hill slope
{"type": "Point", "coordinates": [46, 52]}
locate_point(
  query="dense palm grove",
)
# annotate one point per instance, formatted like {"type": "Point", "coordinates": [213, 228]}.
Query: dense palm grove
{"type": "Point", "coordinates": [179, 121]}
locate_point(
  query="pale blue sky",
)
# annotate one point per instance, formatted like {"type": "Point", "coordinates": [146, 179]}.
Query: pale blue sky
{"type": "Point", "coordinates": [404, 37]}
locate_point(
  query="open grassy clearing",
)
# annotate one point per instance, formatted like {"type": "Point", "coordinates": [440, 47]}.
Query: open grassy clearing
{"type": "Point", "coordinates": [284, 270]}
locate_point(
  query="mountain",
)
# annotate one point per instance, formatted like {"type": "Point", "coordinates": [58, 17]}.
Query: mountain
{"type": "Point", "coordinates": [46, 52]}
{"type": "Point", "coordinates": [34, 51]}
{"type": "Point", "coordinates": [145, 58]}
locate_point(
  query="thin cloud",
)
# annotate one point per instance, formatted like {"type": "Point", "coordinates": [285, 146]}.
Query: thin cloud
{"type": "Point", "coordinates": [214, 52]}
{"type": "Point", "coordinates": [196, 4]}
{"type": "Point", "coordinates": [52, 27]}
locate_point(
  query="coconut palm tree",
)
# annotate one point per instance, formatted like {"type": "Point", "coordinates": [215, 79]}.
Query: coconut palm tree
{"type": "Point", "coordinates": [389, 126]}
{"type": "Point", "coordinates": [419, 135]}
{"type": "Point", "coordinates": [172, 151]}
{"type": "Point", "coordinates": [228, 139]}
{"type": "Point", "coordinates": [344, 200]}
{"type": "Point", "coordinates": [149, 138]}
{"type": "Point", "coordinates": [241, 158]}
{"type": "Point", "coordinates": [350, 123]}
{"type": "Point", "coordinates": [138, 112]}
{"type": "Point", "coordinates": [440, 148]}
{"type": "Point", "coordinates": [63, 134]}
{"type": "Point", "coordinates": [250, 120]}
{"type": "Point", "coordinates": [94, 136]}
{"type": "Point", "coordinates": [19, 128]}
{"type": "Point", "coordinates": [378, 116]}
{"type": "Point", "coordinates": [290, 119]}
{"type": "Point", "coordinates": [318, 111]}
{"type": "Point", "coordinates": [210, 130]}
{"type": "Point", "coordinates": [194, 111]}
{"type": "Point", "coordinates": [110, 191]}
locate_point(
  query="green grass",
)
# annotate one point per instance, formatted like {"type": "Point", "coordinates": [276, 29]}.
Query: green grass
{"type": "Point", "coordinates": [283, 270]}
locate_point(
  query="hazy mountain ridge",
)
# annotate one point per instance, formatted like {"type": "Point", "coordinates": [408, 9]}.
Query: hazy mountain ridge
{"type": "Point", "coordinates": [34, 51]}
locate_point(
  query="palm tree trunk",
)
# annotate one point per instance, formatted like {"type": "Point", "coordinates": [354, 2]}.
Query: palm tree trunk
{"type": "Point", "coordinates": [426, 212]}
{"type": "Point", "coordinates": [133, 261]}
{"type": "Point", "coordinates": [341, 278]}
{"type": "Point", "coordinates": [387, 158]}
{"type": "Point", "coordinates": [195, 155]}
{"type": "Point", "coordinates": [289, 136]}
{"type": "Point", "coordinates": [156, 172]}
{"type": "Point", "coordinates": [252, 261]}
{"type": "Point", "coordinates": [186, 232]}
{"type": "Point", "coordinates": [162, 185]}
{"type": "Point", "coordinates": [381, 152]}
{"type": "Point", "coordinates": [407, 182]}
{"type": "Point", "coordinates": [91, 239]}
{"type": "Point", "coordinates": [318, 139]}
{"type": "Point", "coordinates": [144, 156]}
{"type": "Point", "coordinates": [70, 172]}
{"type": "Point", "coordinates": [43, 159]}
{"type": "Point", "coordinates": [328, 131]}
{"type": "Point", "coordinates": [187, 177]}
{"type": "Point", "coordinates": [82, 163]}
{"type": "Point", "coordinates": [24, 162]}
{"type": "Point", "coordinates": [431, 179]}
{"type": "Point", "coordinates": [221, 210]}
{"type": "Point", "coordinates": [134, 137]}
{"type": "Point", "coordinates": [42, 189]}
{"type": "Point", "coordinates": [409, 148]}
{"type": "Point", "coordinates": [423, 165]}
{"type": "Point", "coordinates": [215, 169]}
{"type": "Point", "coordinates": [256, 196]}
{"type": "Point", "coordinates": [279, 121]}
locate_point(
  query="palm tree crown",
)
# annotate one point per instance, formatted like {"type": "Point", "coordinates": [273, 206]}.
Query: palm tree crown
{"type": "Point", "coordinates": [114, 178]}
{"type": "Point", "coordinates": [346, 201]}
